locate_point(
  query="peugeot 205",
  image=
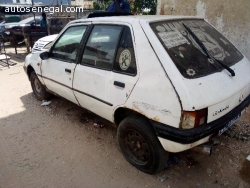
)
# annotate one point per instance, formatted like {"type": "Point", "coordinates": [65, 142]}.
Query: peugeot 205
{"type": "Point", "coordinates": [168, 83]}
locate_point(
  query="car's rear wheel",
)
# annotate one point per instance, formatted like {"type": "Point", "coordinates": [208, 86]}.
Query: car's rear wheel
{"type": "Point", "coordinates": [37, 87]}
{"type": "Point", "coordinates": [140, 146]}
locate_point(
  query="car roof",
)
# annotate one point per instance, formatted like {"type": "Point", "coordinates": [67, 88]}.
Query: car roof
{"type": "Point", "coordinates": [132, 18]}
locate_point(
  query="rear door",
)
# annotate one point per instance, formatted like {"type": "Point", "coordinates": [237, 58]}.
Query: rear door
{"type": "Point", "coordinates": [57, 71]}
{"type": "Point", "coordinates": [107, 71]}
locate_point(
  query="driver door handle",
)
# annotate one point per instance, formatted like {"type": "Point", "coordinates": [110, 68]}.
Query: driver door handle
{"type": "Point", "coordinates": [68, 70]}
{"type": "Point", "coordinates": [119, 84]}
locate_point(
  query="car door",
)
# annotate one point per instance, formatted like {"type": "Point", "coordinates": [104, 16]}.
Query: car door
{"type": "Point", "coordinates": [57, 70]}
{"type": "Point", "coordinates": [106, 74]}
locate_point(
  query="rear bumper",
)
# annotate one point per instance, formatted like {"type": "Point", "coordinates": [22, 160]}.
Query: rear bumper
{"type": "Point", "coordinates": [192, 135]}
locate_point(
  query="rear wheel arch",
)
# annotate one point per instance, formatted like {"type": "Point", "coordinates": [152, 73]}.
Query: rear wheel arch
{"type": "Point", "coordinates": [121, 113]}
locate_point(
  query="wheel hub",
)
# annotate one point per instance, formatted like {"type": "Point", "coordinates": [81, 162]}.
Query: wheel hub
{"type": "Point", "coordinates": [137, 147]}
{"type": "Point", "coordinates": [37, 86]}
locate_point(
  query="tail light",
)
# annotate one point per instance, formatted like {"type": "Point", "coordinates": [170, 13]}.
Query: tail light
{"type": "Point", "coordinates": [192, 119]}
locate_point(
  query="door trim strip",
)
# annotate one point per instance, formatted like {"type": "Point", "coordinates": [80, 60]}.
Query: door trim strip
{"type": "Point", "coordinates": [79, 91]}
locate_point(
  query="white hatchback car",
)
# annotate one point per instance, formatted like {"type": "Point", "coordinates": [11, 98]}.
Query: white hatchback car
{"type": "Point", "coordinates": [168, 83]}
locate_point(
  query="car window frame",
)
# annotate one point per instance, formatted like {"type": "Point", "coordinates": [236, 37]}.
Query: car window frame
{"type": "Point", "coordinates": [80, 49]}
{"type": "Point", "coordinates": [86, 41]}
{"type": "Point", "coordinates": [86, 38]}
{"type": "Point", "coordinates": [132, 38]}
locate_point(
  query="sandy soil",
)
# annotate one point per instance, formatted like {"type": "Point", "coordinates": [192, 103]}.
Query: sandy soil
{"type": "Point", "coordinates": [57, 146]}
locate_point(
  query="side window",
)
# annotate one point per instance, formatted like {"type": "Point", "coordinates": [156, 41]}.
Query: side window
{"type": "Point", "coordinates": [101, 46]}
{"type": "Point", "coordinates": [125, 58]}
{"type": "Point", "coordinates": [67, 46]}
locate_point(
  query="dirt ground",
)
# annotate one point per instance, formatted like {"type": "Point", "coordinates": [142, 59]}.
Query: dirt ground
{"type": "Point", "coordinates": [57, 146]}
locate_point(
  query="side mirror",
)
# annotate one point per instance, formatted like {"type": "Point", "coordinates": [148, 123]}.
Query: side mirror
{"type": "Point", "coordinates": [44, 55]}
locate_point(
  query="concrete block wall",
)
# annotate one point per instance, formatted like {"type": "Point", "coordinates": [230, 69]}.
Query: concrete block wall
{"type": "Point", "coordinates": [230, 17]}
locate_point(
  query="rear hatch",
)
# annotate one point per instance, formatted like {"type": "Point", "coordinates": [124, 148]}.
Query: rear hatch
{"type": "Point", "coordinates": [201, 63]}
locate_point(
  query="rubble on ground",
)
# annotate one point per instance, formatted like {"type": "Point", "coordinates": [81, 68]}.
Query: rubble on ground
{"type": "Point", "coordinates": [240, 131]}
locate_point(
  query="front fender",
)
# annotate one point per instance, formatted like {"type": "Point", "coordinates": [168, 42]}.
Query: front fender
{"type": "Point", "coordinates": [33, 62]}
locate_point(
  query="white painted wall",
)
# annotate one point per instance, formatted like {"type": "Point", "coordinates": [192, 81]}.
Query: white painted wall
{"type": "Point", "coordinates": [87, 4]}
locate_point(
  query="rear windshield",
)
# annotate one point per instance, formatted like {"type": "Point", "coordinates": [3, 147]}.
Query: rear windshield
{"type": "Point", "coordinates": [188, 55]}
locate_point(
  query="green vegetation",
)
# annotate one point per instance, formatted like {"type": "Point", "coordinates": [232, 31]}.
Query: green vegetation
{"type": "Point", "coordinates": [144, 7]}
{"type": "Point", "coordinates": [101, 5]}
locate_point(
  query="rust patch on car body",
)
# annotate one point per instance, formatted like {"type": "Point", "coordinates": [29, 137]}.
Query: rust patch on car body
{"type": "Point", "coordinates": [156, 119]}
{"type": "Point", "coordinates": [141, 106]}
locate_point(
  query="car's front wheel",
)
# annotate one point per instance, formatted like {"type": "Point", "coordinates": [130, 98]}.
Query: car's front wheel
{"type": "Point", "coordinates": [37, 87]}
{"type": "Point", "coordinates": [140, 146]}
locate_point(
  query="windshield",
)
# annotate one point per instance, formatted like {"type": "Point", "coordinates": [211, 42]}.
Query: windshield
{"type": "Point", "coordinates": [188, 55]}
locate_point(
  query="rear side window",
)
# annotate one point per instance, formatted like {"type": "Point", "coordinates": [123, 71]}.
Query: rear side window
{"type": "Point", "coordinates": [125, 58]}
{"type": "Point", "coordinates": [188, 55]}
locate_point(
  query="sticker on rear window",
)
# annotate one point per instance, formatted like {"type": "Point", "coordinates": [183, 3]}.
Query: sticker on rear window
{"type": "Point", "coordinates": [210, 44]}
{"type": "Point", "coordinates": [188, 54]}
{"type": "Point", "coordinates": [125, 59]}
{"type": "Point", "coordinates": [172, 39]}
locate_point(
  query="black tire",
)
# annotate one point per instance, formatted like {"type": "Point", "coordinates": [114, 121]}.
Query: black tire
{"type": "Point", "coordinates": [37, 87]}
{"type": "Point", "coordinates": [140, 146]}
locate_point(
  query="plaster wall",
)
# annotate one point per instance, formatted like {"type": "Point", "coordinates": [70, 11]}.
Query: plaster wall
{"type": "Point", "coordinates": [87, 4]}
{"type": "Point", "coordinates": [230, 17]}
